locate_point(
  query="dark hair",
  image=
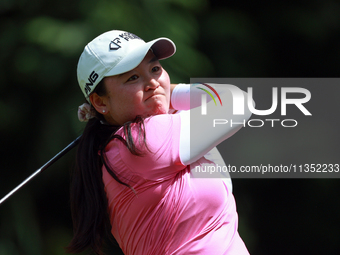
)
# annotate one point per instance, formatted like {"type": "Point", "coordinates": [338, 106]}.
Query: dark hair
{"type": "Point", "coordinates": [89, 205]}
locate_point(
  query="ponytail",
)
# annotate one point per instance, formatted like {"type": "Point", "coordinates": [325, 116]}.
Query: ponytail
{"type": "Point", "coordinates": [88, 198]}
{"type": "Point", "coordinates": [89, 205]}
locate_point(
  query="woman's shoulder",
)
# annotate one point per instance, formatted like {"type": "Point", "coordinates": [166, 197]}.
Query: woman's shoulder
{"type": "Point", "coordinates": [157, 129]}
{"type": "Point", "coordinates": [162, 122]}
{"type": "Point", "coordinates": [160, 147]}
{"type": "Point", "coordinates": [152, 125]}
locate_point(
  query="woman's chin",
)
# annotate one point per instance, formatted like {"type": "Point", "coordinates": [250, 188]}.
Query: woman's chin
{"type": "Point", "coordinates": [157, 111]}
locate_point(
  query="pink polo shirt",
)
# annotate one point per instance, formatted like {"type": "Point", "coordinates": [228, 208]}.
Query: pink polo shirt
{"type": "Point", "coordinates": [171, 212]}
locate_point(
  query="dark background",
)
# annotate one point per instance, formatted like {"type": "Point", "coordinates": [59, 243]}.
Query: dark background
{"type": "Point", "coordinates": [40, 43]}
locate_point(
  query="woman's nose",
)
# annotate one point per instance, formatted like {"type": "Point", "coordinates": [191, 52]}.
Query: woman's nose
{"type": "Point", "coordinates": [151, 84]}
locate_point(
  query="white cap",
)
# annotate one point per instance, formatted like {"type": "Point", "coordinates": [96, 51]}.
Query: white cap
{"type": "Point", "coordinates": [116, 52]}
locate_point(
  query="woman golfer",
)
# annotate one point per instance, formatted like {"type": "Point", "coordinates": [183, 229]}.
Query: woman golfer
{"type": "Point", "coordinates": [136, 162]}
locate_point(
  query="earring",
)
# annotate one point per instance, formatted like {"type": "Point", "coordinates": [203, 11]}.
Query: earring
{"type": "Point", "coordinates": [103, 111]}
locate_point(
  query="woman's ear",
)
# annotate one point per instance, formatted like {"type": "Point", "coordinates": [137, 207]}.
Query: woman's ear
{"type": "Point", "coordinates": [98, 103]}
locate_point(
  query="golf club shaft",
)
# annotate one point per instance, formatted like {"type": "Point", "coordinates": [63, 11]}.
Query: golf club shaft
{"type": "Point", "coordinates": [50, 162]}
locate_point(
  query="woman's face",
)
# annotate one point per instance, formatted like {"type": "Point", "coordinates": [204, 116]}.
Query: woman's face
{"type": "Point", "coordinates": [143, 91]}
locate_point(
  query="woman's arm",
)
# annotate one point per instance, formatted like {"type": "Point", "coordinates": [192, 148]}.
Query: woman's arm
{"type": "Point", "coordinates": [185, 98]}
{"type": "Point", "coordinates": [202, 132]}
{"type": "Point", "coordinates": [172, 87]}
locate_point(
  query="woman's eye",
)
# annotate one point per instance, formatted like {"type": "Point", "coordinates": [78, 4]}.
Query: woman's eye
{"type": "Point", "coordinates": [132, 78]}
{"type": "Point", "coordinates": [155, 69]}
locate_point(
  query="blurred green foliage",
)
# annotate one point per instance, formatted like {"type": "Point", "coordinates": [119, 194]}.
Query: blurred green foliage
{"type": "Point", "coordinates": [40, 42]}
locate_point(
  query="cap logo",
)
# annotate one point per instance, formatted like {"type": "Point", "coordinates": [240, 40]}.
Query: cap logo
{"type": "Point", "coordinates": [115, 43]}
{"type": "Point", "coordinates": [92, 79]}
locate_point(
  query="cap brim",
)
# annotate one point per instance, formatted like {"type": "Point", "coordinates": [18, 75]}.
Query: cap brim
{"type": "Point", "coordinates": [161, 47]}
